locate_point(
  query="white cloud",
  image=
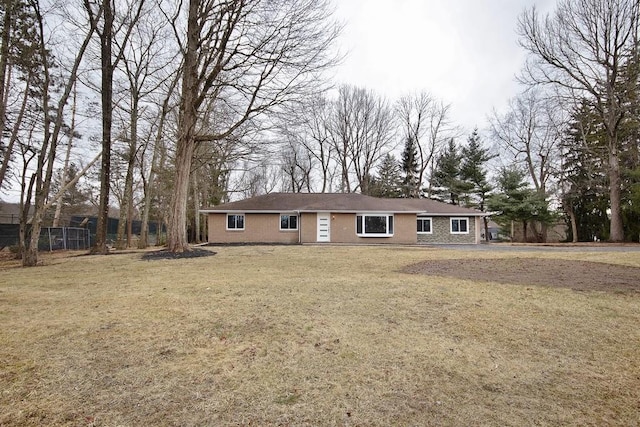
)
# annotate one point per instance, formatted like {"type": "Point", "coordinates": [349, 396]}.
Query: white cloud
{"type": "Point", "coordinates": [462, 51]}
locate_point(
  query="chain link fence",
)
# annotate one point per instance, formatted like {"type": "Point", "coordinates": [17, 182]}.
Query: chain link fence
{"type": "Point", "coordinates": [51, 238]}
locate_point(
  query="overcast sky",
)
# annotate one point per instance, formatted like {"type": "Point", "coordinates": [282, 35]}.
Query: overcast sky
{"type": "Point", "coordinates": [464, 52]}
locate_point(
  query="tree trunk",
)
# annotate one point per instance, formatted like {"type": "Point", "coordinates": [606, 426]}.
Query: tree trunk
{"type": "Point", "coordinates": [30, 256]}
{"type": "Point", "coordinates": [100, 246]}
{"type": "Point", "coordinates": [196, 206]}
{"type": "Point", "coordinates": [47, 155]}
{"type": "Point", "coordinates": [4, 64]}
{"type": "Point", "coordinates": [126, 210]}
{"type": "Point", "coordinates": [574, 224]}
{"type": "Point", "coordinates": [177, 227]}
{"type": "Point", "coordinates": [16, 126]}
{"type": "Point", "coordinates": [67, 156]}
{"type": "Point", "coordinates": [148, 185]}
{"type": "Point", "coordinates": [616, 233]}
{"type": "Point", "coordinates": [25, 205]}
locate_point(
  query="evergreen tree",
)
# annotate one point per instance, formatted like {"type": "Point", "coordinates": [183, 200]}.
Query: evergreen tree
{"type": "Point", "coordinates": [410, 181]}
{"type": "Point", "coordinates": [75, 200]}
{"type": "Point", "coordinates": [21, 62]}
{"type": "Point", "coordinates": [474, 175]}
{"type": "Point", "coordinates": [446, 180]}
{"type": "Point", "coordinates": [583, 177]}
{"type": "Point", "coordinates": [630, 158]}
{"type": "Point", "coordinates": [389, 181]}
{"type": "Point", "coordinates": [517, 201]}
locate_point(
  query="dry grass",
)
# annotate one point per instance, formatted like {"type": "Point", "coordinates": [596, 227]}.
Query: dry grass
{"type": "Point", "coordinates": [291, 335]}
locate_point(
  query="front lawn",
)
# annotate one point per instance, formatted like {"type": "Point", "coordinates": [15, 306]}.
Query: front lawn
{"type": "Point", "coordinates": [315, 335]}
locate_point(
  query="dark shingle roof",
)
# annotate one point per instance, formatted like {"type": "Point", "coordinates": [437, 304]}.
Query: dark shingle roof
{"type": "Point", "coordinates": [339, 202]}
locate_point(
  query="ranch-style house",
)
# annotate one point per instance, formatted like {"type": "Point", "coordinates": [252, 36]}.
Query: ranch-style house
{"type": "Point", "coordinates": [341, 218]}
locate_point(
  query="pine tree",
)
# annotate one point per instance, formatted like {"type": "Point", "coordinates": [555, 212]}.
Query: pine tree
{"type": "Point", "coordinates": [446, 178]}
{"type": "Point", "coordinates": [20, 68]}
{"type": "Point", "coordinates": [517, 201]}
{"type": "Point", "coordinates": [389, 181]}
{"type": "Point", "coordinates": [410, 181]}
{"type": "Point", "coordinates": [474, 175]}
{"type": "Point", "coordinates": [583, 179]}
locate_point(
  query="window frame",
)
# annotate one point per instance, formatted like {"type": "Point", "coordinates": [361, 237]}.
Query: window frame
{"type": "Point", "coordinates": [451, 220]}
{"type": "Point", "coordinates": [244, 220]}
{"type": "Point", "coordinates": [425, 218]}
{"type": "Point", "coordinates": [297, 217]}
{"type": "Point", "coordinates": [361, 224]}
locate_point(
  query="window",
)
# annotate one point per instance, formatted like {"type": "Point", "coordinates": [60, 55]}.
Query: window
{"type": "Point", "coordinates": [288, 222]}
{"type": "Point", "coordinates": [424, 225]}
{"type": "Point", "coordinates": [374, 225]}
{"type": "Point", "coordinates": [459, 226]}
{"type": "Point", "coordinates": [235, 222]}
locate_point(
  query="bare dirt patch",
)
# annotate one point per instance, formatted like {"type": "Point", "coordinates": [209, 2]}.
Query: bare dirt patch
{"type": "Point", "coordinates": [558, 273]}
{"type": "Point", "coordinates": [165, 254]}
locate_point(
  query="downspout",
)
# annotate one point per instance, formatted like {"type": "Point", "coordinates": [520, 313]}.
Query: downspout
{"type": "Point", "coordinates": [299, 227]}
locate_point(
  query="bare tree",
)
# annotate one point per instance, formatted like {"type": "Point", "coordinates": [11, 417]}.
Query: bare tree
{"type": "Point", "coordinates": [71, 135]}
{"type": "Point", "coordinates": [530, 131]}
{"type": "Point", "coordinates": [52, 126]}
{"type": "Point", "coordinates": [362, 132]}
{"type": "Point", "coordinates": [258, 178]}
{"type": "Point", "coordinates": [426, 121]}
{"type": "Point", "coordinates": [146, 63]}
{"type": "Point", "coordinates": [297, 166]}
{"type": "Point", "coordinates": [102, 18]}
{"type": "Point", "coordinates": [158, 158]}
{"type": "Point", "coordinates": [582, 49]}
{"type": "Point", "coordinates": [252, 55]}
{"type": "Point", "coordinates": [308, 125]}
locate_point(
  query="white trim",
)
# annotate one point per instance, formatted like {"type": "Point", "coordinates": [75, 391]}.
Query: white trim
{"type": "Point", "coordinates": [419, 213]}
{"type": "Point", "coordinates": [289, 214]}
{"type": "Point", "coordinates": [376, 214]}
{"type": "Point", "coordinates": [453, 215]}
{"type": "Point", "coordinates": [466, 219]}
{"type": "Point", "coordinates": [422, 217]}
{"type": "Point", "coordinates": [226, 221]}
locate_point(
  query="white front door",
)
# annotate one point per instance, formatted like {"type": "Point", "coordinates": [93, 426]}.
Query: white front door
{"type": "Point", "coordinates": [324, 227]}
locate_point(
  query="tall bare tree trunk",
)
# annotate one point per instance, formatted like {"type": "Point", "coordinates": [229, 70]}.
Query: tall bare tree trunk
{"type": "Point", "coordinates": [149, 182]}
{"type": "Point", "coordinates": [574, 224]}
{"type": "Point", "coordinates": [4, 63]}
{"type": "Point", "coordinates": [177, 227]}
{"type": "Point", "coordinates": [196, 206]}
{"type": "Point", "coordinates": [177, 232]}
{"type": "Point", "coordinates": [106, 39]}
{"type": "Point", "coordinates": [126, 210]}
{"type": "Point", "coordinates": [615, 194]}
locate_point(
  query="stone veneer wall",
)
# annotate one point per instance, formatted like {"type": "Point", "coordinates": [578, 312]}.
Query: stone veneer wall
{"type": "Point", "coordinates": [441, 227]}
